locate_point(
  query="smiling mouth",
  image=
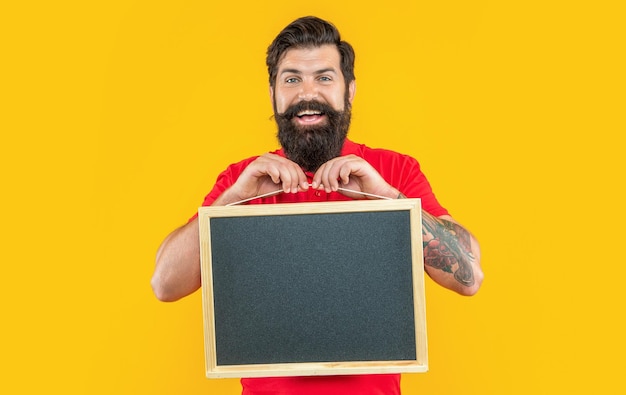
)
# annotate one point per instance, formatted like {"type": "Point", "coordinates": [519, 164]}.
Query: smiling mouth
{"type": "Point", "coordinates": [307, 113]}
{"type": "Point", "coordinates": [309, 117]}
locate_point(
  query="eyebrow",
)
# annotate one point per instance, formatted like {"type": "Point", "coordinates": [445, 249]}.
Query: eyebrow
{"type": "Point", "coordinates": [321, 71]}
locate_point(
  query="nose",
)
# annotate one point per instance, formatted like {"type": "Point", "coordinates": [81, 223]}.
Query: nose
{"type": "Point", "coordinates": [308, 91]}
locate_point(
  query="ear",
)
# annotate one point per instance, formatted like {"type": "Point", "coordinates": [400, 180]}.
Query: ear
{"type": "Point", "coordinates": [351, 90]}
{"type": "Point", "coordinates": [271, 94]}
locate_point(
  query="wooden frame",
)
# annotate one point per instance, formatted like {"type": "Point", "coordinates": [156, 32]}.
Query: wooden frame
{"type": "Point", "coordinates": [214, 222]}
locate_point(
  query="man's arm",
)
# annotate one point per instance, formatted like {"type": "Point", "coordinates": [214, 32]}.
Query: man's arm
{"type": "Point", "coordinates": [177, 271]}
{"type": "Point", "coordinates": [451, 254]}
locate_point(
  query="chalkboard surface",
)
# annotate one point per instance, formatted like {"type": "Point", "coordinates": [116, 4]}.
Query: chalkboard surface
{"type": "Point", "coordinates": [332, 289]}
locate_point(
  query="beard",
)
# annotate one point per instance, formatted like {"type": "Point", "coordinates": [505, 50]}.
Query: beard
{"type": "Point", "coordinates": [312, 146]}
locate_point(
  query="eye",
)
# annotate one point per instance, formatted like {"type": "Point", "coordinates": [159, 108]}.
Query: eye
{"type": "Point", "coordinates": [292, 80]}
{"type": "Point", "coordinates": [325, 78]}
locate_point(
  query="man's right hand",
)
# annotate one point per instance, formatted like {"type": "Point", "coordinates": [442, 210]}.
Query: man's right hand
{"type": "Point", "coordinates": [267, 173]}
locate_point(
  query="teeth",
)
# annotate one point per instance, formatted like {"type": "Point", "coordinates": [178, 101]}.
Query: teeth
{"type": "Point", "coordinates": [308, 112]}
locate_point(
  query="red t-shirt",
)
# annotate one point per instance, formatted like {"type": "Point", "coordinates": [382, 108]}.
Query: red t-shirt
{"type": "Point", "coordinates": [372, 384]}
{"type": "Point", "coordinates": [402, 172]}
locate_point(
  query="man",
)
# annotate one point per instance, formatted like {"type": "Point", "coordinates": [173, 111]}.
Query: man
{"type": "Point", "coordinates": [312, 85]}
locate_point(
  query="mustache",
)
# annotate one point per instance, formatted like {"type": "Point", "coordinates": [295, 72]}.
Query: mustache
{"type": "Point", "coordinates": [293, 110]}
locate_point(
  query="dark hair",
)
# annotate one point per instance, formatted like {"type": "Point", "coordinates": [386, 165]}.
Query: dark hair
{"type": "Point", "coordinates": [309, 32]}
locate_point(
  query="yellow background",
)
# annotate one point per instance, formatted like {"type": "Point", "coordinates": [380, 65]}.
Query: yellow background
{"type": "Point", "coordinates": [117, 116]}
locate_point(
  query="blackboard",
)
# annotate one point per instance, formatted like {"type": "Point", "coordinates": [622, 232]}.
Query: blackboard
{"type": "Point", "coordinates": [313, 288]}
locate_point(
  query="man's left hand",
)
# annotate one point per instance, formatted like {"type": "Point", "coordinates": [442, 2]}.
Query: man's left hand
{"type": "Point", "coordinates": [353, 173]}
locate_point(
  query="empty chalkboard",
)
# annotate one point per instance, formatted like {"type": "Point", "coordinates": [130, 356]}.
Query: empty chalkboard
{"type": "Point", "coordinates": [313, 288]}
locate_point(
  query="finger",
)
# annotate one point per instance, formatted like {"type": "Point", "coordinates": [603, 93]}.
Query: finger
{"type": "Point", "coordinates": [303, 181]}
{"type": "Point", "coordinates": [316, 182]}
{"type": "Point", "coordinates": [271, 166]}
{"type": "Point", "coordinates": [344, 174]}
{"type": "Point", "coordinates": [330, 173]}
{"type": "Point", "coordinates": [294, 177]}
{"type": "Point", "coordinates": [274, 173]}
{"type": "Point", "coordinates": [291, 175]}
{"type": "Point", "coordinates": [319, 180]}
{"type": "Point", "coordinates": [333, 175]}
{"type": "Point", "coordinates": [281, 175]}
{"type": "Point", "coordinates": [281, 171]}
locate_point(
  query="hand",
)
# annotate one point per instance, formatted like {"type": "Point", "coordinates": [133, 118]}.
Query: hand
{"type": "Point", "coordinates": [354, 173]}
{"type": "Point", "coordinates": [266, 174]}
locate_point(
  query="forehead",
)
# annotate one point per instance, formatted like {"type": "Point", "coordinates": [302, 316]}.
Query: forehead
{"type": "Point", "coordinates": [311, 58]}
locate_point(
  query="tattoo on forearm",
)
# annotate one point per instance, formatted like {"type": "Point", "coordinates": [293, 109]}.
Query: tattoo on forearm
{"type": "Point", "coordinates": [448, 248]}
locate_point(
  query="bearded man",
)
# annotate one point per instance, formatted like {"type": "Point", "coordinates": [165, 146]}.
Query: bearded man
{"type": "Point", "coordinates": [312, 86]}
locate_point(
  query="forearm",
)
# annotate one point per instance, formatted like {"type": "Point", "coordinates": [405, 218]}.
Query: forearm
{"type": "Point", "coordinates": [177, 271]}
{"type": "Point", "coordinates": [451, 254]}
{"type": "Point", "coordinates": [229, 196]}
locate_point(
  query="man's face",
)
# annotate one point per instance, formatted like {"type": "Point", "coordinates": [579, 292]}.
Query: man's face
{"type": "Point", "coordinates": [311, 105]}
